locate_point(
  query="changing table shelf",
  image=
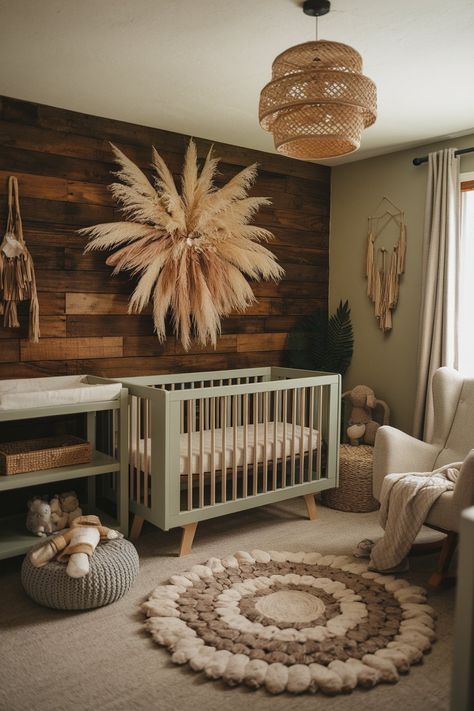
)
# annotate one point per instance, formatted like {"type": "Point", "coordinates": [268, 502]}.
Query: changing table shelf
{"type": "Point", "coordinates": [16, 540]}
{"type": "Point", "coordinates": [109, 456]}
{"type": "Point", "coordinates": [100, 464]}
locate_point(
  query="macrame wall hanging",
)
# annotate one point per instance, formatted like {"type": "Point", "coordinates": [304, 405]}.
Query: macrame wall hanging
{"type": "Point", "coordinates": [191, 249]}
{"type": "Point", "coordinates": [17, 273]}
{"type": "Point", "coordinates": [384, 268]}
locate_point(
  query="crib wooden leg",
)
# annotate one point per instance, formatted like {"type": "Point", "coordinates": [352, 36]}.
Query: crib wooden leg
{"type": "Point", "coordinates": [310, 502]}
{"type": "Point", "coordinates": [136, 528]}
{"type": "Point", "coordinates": [449, 546]}
{"type": "Point", "coordinates": [187, 539]}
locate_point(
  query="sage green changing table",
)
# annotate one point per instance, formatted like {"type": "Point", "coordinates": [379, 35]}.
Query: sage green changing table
{"type": "Point", "coordinates": [14, 538]}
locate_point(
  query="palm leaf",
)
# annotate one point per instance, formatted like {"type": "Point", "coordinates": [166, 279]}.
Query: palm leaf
{"type": "Point", "coordinates": [340, 339]}
{"type": "Point", "coordinates": [319, 344]}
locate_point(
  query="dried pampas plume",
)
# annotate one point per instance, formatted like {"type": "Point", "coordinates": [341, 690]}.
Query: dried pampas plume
{"type": "Point", "coordinates": [191, 250]}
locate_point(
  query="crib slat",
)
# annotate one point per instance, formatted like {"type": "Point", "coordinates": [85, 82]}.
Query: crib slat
{"type": "Point", "coordinates": [320, 425]}
{"type": "Point", "coordinates": [138, 432]}
{"type": "Point", "coordinates": [213, 451]}
{"type": "Point", "coordinates": [130, 446]}
{"type": "Point", "coordinates": [146, 466]}
{"type": "Point", "coordinates": [202, 424]}
{"type": "Point", "coordinates": [276, 397]}
{"type": "Point", "coordinates": [255, 438]}
{"type": "Point", "coordinates": [245, 472]}
{"type": "Point", "coordinates": [302, 419]}
{"type": "Point", "coordinates": [190, 404]}
{"type": "Point", "coordinates": [284, 413]}
{"type": "Point", "coordinates": [235, 400]}
{"type": "Point", "coordinates": [311, 427]}
{"type": "Point", "coordinates": [265, 441]}
{"type": "Point", "coordinates": [293, 435]}
{"type": "Point", "coordinates": [224, 450]}
{"type": "Point", "coordinates": [239, 405]}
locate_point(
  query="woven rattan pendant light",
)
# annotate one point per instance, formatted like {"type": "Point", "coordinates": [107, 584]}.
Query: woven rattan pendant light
{"type": "Point", "coordinates": [318, 102]}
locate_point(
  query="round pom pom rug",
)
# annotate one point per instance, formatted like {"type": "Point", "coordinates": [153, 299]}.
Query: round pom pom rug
{"type": "Point", "coordinates": [294, 622]}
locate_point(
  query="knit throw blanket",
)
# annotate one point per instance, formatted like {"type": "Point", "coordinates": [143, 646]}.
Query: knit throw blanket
{"type": "Point", "coordinates": [404, 505]}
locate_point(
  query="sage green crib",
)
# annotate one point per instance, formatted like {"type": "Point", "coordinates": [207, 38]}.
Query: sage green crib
{"type": "Point", "coordinates": [203, 445]}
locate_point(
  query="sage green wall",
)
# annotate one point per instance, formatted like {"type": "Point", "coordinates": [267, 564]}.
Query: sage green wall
{"type": "Point", "coordinates": [385, 362]}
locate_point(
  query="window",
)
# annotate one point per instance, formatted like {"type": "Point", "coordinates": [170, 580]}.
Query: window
{"type": "Point", "coordinates": [466, 305]}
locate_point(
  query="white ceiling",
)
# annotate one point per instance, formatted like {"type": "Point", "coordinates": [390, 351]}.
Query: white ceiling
{"type": "Point", "coordinates": [197, 66]}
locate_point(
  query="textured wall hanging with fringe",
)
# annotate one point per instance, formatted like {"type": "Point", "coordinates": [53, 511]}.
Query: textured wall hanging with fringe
{"type": "Point", "coordinates": [192, 250]}
{"type": "Point", "coordinates": [17, 273]}
{"type": "Point", "coordinates": [383, 270]}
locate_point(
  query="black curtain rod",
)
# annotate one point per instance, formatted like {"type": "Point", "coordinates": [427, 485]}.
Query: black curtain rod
{"type": "Point", "coordinates": [460, 152]}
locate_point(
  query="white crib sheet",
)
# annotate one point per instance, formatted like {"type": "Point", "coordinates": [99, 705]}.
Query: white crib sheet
{"type": "Point", "coordinates": [272, 444]}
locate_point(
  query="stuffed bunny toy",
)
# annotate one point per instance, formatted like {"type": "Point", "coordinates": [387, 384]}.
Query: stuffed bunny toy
{"type": "Point", "coordinates": [38, 518]}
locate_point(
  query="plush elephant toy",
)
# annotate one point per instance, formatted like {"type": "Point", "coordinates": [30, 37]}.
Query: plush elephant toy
{"type": "Point", "coordinates": [362, 428]}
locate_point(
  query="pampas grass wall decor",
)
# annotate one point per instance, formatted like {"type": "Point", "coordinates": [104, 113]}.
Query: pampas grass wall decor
{"type": "Point", "coordinates": [192, 250]}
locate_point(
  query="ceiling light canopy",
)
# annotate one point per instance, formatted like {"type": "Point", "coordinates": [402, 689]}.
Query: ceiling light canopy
{"type": "Point", "coordinates": [318, 102]}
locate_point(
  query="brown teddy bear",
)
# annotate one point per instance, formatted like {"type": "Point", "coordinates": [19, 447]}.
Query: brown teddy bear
{"type": "Point", "coordinates": [361, 425]}
{"type": "Point", "coordinates": [59, 518]}
{"type": "Point", "coordinates": [70, 505]}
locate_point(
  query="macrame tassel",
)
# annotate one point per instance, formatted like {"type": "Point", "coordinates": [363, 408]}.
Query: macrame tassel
{"type": "Point", "coordinates": [393, 280]}
{"type": "Point", "coordinates": [34, 329]}
{"type": "Point", "coordinates": [17, 273]}
{"type": "Point", "coordinates": [10, 317]}
{"type": "Point", "coordinates": [378, 294]}
{"type": "Point", "coordinates": [386, 323]}
{"type": "Point", "coordinates": [402, 248]}
{"type": "Point", "coordinates": [370, 271]}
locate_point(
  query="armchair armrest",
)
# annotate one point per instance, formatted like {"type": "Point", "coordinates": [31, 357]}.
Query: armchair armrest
{"type": "Point", "coordinates": [463, 495]}
{"type": "Point", "coordinates": [395, 452]}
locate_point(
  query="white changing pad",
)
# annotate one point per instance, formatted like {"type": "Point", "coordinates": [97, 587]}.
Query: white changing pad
{"type": "Point", "coordinates": [272, 445]}
{"type": "Point", "coordinates": [46, 392]}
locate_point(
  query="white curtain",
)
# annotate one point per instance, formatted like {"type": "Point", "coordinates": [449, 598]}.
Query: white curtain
{"type": "Point", "coordinates": [466, 302]}
{"type": "Point", "coordinates": [438, 339]}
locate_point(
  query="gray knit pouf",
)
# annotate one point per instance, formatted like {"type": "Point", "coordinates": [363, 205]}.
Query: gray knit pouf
{"type": "Point", "coordinates": [113, 570]}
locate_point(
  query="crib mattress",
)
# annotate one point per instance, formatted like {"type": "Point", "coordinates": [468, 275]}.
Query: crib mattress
{"type": "Point", "coordinates": [276, 447]}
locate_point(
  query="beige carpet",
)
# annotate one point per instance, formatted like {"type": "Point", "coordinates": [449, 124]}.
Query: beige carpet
{"type": "Point", "coordinates": [54, 661]}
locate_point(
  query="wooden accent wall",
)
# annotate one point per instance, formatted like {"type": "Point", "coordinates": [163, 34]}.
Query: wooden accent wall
{"type": "Point", "coordinates": [63, 164]}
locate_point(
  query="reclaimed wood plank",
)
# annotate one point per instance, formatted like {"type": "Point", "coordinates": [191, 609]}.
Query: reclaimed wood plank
{"type": "Point", "coordinates": [71, 348]}
{"type": "Point", "coordinates": [40, 369]}
{"type": "Point", "coordinates": [247, 343]}
{"type": "Point", "coordinates": [9, 350]}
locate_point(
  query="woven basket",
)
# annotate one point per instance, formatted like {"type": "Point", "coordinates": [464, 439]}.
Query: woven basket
{"type": "Point", "coordinates": [355, 481]}
{"type": "Point", "coordinates": [44, 453]}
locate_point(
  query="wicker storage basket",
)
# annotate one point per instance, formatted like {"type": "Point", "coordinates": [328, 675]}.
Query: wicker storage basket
{"type": "Point", "coordinates": [355, 481]}
{"type": "Point", "coordinates": [44, 453]}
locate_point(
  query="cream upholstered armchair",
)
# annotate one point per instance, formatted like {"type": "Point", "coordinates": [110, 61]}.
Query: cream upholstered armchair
{"type": "Point", "coordinates": [452, 441]}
